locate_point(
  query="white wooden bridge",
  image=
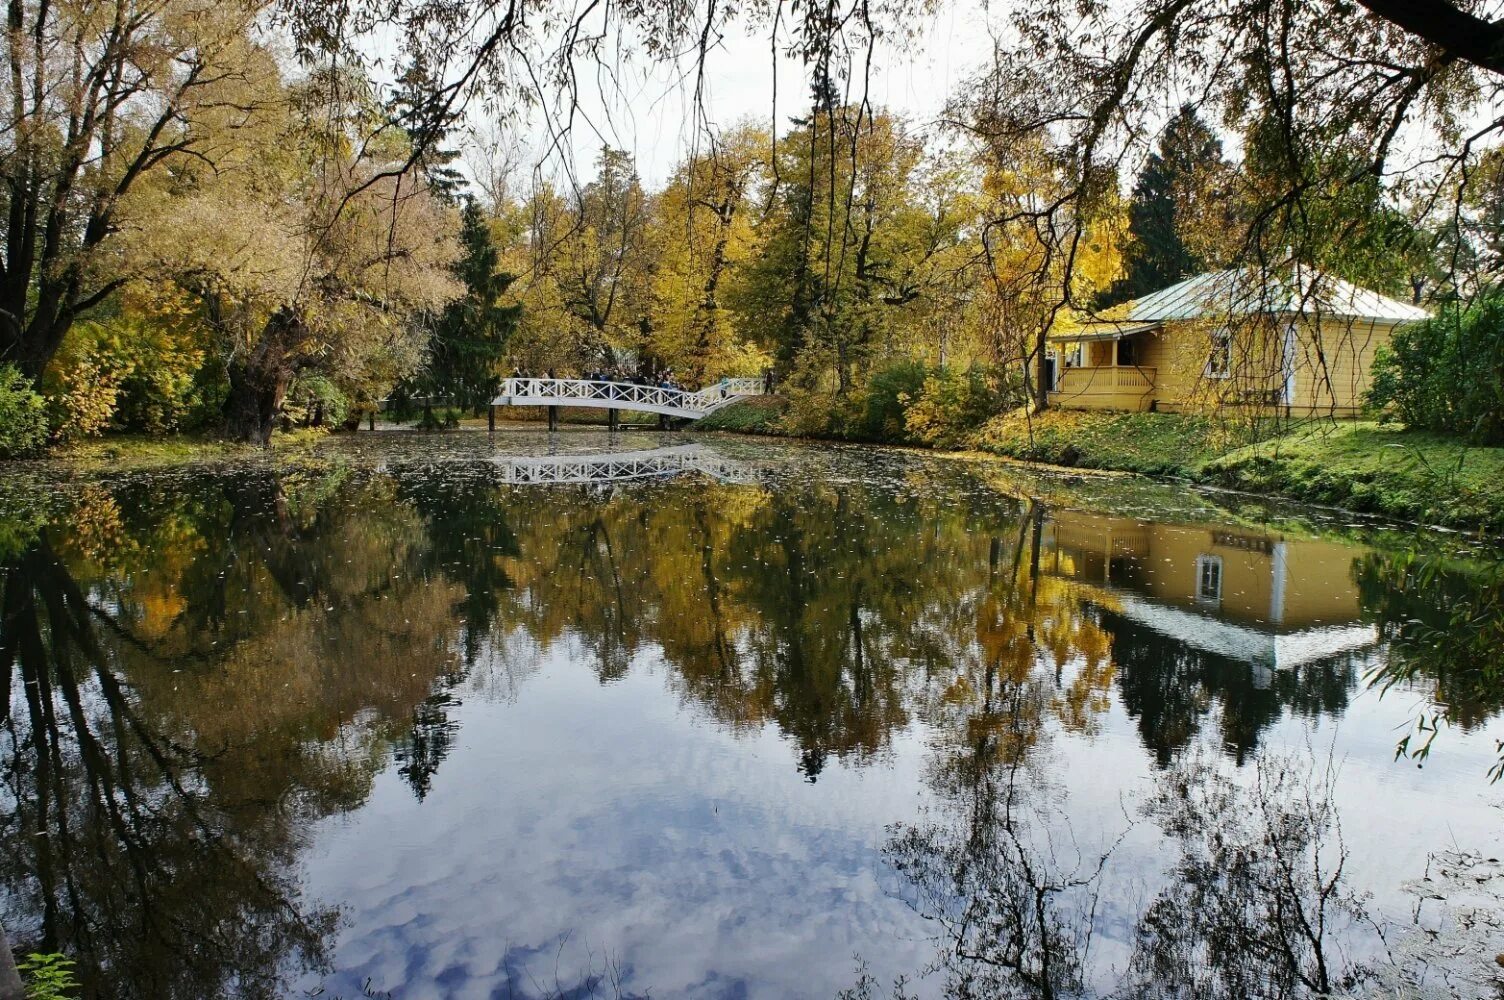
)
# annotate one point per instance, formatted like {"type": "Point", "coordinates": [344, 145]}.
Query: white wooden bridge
{"type": "Point", "coordinates": [680, 403]}
{"type": "Point", "coordinates": [610, 467]}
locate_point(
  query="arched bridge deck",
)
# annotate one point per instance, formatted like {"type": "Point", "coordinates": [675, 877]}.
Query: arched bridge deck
{"type": "Point", "coordinates": [680, 403]}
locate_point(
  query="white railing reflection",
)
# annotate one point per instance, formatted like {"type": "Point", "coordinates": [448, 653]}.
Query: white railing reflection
{"type": "Point", "coordinates": [610, 467]}
{"type": "Point", "coordinates": [626, 395]}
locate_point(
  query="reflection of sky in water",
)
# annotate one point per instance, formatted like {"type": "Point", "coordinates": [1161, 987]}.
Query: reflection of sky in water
{"type": "Point", "coordinates": [597, 826]}
{"type": "Point", "coordinates": [643, 832]}
{"type": "Point", "coordinates": [659, 825]}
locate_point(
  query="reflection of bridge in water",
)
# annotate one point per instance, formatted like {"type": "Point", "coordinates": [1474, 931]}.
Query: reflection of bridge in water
{"type": "Point", "coordinates": [682, 403]}
{"type": "Point", "coordinates": [612, 467]}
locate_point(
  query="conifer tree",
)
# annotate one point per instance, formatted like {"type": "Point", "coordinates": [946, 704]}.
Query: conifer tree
{"type": "Point", "coordinates": [470, 337]}
{"type": "Point", "coordinates": [1177, 181]}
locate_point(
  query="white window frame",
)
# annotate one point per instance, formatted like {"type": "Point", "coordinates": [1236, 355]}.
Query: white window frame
{"type": "Point", "coordinates": [1221, 346]}
{"type": "Point", "coordinates": [1205, 565]}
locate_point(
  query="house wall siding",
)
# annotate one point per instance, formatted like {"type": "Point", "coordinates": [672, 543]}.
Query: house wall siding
{"type": "Point", "coordinates": [1333, 371]}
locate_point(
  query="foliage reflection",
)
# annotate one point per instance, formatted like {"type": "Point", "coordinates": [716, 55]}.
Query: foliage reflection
{"type": "Point", "coordinates": [197, 669]}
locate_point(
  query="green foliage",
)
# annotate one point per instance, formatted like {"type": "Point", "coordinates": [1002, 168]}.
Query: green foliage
{"type": "Point", "coordinates": [755, 415]}
{"type": "Point", "coordinates": [23, 415]}
{"type": "Point", "coordinates": [314, 400]}
{"type": "Point", "coordinates": [1444, 623]}
{"type": "Point", "coordinates": [129, 372]}
{"type": "Point", "coordinates": [48, 976]}
{"type": "Point", "coordinates": [906, 402]}
{"type": "Point", "coordinates": [952, 404]}
{"type": "Point", "coordinates": [445, 418]}
{"type": "Point", "coordinates": [1447, 373]}
{"type": "Point", "coordinates": [883, 416]}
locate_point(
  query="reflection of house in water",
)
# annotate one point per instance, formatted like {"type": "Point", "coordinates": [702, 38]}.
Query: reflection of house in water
{"type": "Point", "coordinates": [1247, 595]}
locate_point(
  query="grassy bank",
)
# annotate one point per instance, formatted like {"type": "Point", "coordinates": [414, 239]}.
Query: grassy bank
{"type": "Point", "coordinates": [1356, 465]}
{"type": "Point", "coordinates": [1366, 467]}
{"type": "Point", "coordinates": [754, 415]}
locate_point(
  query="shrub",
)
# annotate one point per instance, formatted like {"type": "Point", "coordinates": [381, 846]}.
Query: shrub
{"type": "Point", "coordinates": [752, 415]}
{"type": "Point", "coordinates": [132, 372]}
{"type": "Point", "coordinates": [48, 976]}
{"type": "Point", "coordinates": [1447, 373]}
{"type": "Point", "coordinates": [83, 385]}
{"type": "Point", "coordinates": [950, 405]}
{"type": "Point", "coordinates": [882, 416]}
{"type": "Point", "coordinates": [23, 415]}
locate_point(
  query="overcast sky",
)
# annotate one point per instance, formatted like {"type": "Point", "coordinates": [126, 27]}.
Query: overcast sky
{"type": "Point", "coordinates": [649, 111]}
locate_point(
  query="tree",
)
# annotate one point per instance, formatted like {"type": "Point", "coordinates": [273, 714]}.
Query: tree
{"type": "Point", "coordinates": [416, 108]}
{"type": "Point", "coordinates": [604, 262]}
{"type": "Point", "coordinates": [1184, 181]}
{"type": "Point", "coordinates": [850, 251]}
{"type": "Point", "coordinates": [704, 229]}
{"type": "Point", "coordinates": [102, 95]}
{"type": "Point", "coordinates": [470, 336]}
{"type": "Point", "coordinates": [1049, 242]}
{"type": "Point", "coordinates": [315, 259]}
{"type": "Point", "coordinates": [1344, 110]}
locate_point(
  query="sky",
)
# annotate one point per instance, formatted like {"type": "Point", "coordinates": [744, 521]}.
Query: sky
{"type": "Point", "coordinates": [649, 109]}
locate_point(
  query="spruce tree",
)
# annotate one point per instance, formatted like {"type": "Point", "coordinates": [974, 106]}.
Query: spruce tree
{"type": "Point", "coordinates": [470, 337]}
{"type": "Point", "coordinates": [1188, 159]}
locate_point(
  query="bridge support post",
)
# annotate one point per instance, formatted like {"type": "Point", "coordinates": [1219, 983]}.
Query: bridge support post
{"type": "Point", "coordinates": [553, 418]}
{"type": "Point", "coordinates": [372, 423]}
{"type": "Point", "coordinates": [663, 421]}
{"type": "Point", "coordinates": [613, 419]}
{"type": "Point", "coordinates": [491, 419]}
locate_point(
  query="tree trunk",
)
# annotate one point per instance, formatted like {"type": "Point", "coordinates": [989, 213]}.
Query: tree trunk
{"type": "Point", "coordinates": [1041, 374]}
{"type": "Point", "coordinates": [259, 379]}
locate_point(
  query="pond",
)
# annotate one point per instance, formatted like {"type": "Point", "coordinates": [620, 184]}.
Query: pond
{"type": "Point", "coordinates": [647, 715]}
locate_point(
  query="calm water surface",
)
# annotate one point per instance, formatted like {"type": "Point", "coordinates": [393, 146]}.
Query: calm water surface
{"type": "Point", "coordinates": [464, 716]}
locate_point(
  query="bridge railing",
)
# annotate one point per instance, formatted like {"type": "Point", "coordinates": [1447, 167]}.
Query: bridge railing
{"type": "Point", "coordinates": [626, 394]}
{"type": "Point", "coordinates": [615, 466]}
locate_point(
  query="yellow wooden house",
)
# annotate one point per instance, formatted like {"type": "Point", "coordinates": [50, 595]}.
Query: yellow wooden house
{"type": "Point", "coordinates": [1303, 345]}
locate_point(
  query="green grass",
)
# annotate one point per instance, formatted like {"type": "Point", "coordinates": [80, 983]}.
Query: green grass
{"type": "Point", "coordinates": [1156, 444]}
{"type": "Point", "coordinates": [1356, 465]}
{"type": "Point", "coordinates": [754, 415]}
{"type": "Point", "coordinates": [1364, 466]}
{"type": "Point", "coordinates": [135, 451]}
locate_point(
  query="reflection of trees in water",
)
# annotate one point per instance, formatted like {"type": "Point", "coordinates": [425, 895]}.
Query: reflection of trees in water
{"type": "Point", "coordinates": [997, 868]}
{"type": "Point", "coordinates": [1172, 689]}
{"type": "Point", "coordinates": [1258, 904]}
{"type": "Point", "coordinates": [1012, 894]}
{"type": "Point", "coordinates": [1444, 623]}
{"type": "Point", "coordinates": [191, 688]}
{"type": "Point", "coordinates": [834, 611]}
{"type": "Point", "coordinates": [197, 671]}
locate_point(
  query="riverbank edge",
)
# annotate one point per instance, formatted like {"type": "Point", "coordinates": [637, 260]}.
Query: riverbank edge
{"type": "Point", "coordinates": [1359, 466]}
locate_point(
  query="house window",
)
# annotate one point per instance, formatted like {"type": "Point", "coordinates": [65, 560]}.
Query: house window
{"type": "Point", "coordinates": [1219, 365]}
{"type": "Point", "coordinates": [1209, 580]}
